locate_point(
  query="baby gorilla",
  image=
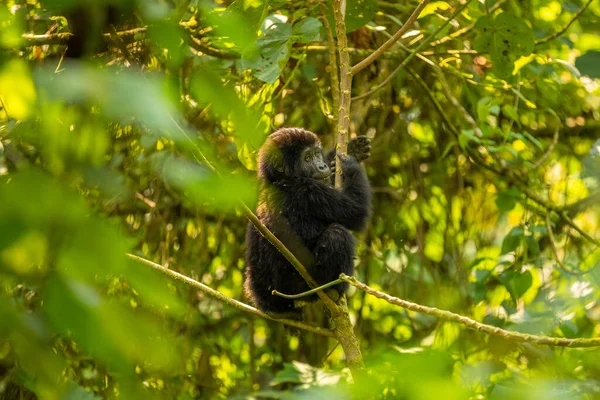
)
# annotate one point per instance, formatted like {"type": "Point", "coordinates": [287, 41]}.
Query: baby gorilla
{"type": "Point", "coordinates": [299, 204]}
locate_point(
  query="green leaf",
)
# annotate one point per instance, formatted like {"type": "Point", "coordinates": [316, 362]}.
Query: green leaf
{"type": "Point", "coordinates": [207, 88]}
{"type": "Point", "coordinates": [358, 14]}
{"type": "Point", "coordinates": [512, 241]}
{"type": "Point", "coordinates": [533, 140]}
{"type": "Point", "coordinates": [570, 67]}
{"type": "Point", "coordinates": [238, 24]}
{"type": "Point", "coordinates": [569, 329]}
{"type": "Point", "coordinates": [306, 30]}
{"type": "Point", "coordinates": [273, 50]}
{"type": "Point", "coordinates": [466, 136]}
{"type": "Point", "coordinates": [507, 199]}
{"type": "Point", "coordinates": [533, 248]}
{"type": "Point", "coordinates": [433, 7]}
{"type": "Point", "coordinates": [511, 112]}
{"type": "Point", "coordinates": [481, 275]}
{"type": "Point", "coordinates": [589, 64]}
{"type": "Point", "coordinates": [297, 372]}
{"type": "Point", "coordinates": [121, 95]}
{"type": "Point", "coordinates": [516, 282]}
{"type": "Point", "coordinates": [506, 38]}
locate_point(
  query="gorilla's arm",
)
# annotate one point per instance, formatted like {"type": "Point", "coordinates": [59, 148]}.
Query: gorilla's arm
{"type": "Point", "coordinates": [349, 207]}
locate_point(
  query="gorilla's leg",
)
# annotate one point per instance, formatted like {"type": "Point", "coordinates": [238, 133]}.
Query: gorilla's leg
{"type": "Point", "coordinates": [334, 254]}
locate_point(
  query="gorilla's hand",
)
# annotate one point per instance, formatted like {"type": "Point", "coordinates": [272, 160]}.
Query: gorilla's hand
{"type": "Point", "coordinates": [349, 164]}
{"type": "Point", "coordinates": [360, 147]}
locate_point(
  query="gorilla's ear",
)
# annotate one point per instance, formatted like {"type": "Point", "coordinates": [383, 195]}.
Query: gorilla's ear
{"type": "Point", "coordinates": [271, 164]}
{"type": "Point", "coordinates": [276, 160]}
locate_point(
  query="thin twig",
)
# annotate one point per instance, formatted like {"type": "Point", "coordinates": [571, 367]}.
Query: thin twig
{"type": "Point", "coordinates": [288, 255]}
{"type": "Point", "coordinates": [466, 29]}
{"type": "Point", "coordinates": [225, 299]}
{"type": "Point", "coordinates": [390, 42]}
{"type": "Point", "coordinates": [555, 250]}
{"type": "Point", "coordinates": [543, 158]}
{"type": "Point", "coordinates": [413, 53]}
{"type": "Point", "coordinates": [470, 323]}
{"type": "Point", "coordinates": [62, 37]}
{"type": "Point", "coordinates": [517, 180]}
{"type": "Point", "coordinates": [308, 292]}
{"type": "Point", "coordinates": [566, 27]}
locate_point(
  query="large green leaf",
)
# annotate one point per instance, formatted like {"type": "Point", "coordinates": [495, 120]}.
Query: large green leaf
{"type": "Point", "coordinates": [275, 43]}
{"type": "Point", "coordinates": [512, 240]}
{"type": "Point", "coordinates": [273, 50]}
{"type": "Point", "coordinates": [306, 30]}
{"type": "Point", "coordinates": [516, 282]}
{"type": "Point", "coordinates": [358, 14]}
{"type": "Point", "coordinates": [506, 38]}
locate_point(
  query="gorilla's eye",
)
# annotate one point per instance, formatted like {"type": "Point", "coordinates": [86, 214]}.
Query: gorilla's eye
{"type": "Point", "coordinates": [307, 157]}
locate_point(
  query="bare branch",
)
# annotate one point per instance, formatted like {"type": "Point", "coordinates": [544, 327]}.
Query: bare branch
{"type": "Point", "coordinates": [545, 156]}
{"type": "Point", "coordinates": [334, 71]}
{"type": "Point", "coordinates": [516, 179]}
{"type": "Point", "coordinates": [566, 27]}
{"type": "Point", "coordinates": [466, 29]}
{"type": "Point", "coordinates": [345, 87]}
{"type": "Point", "coordinates": [413, 53]}
{"type": "Point", "coordinates": [228, 300]}
{"type": "Point", "coordinates": [470, 323]}
{"type": "Point", "coordinates": [390, 42]}
{"type": "Point", "coordinates": [308, 292]}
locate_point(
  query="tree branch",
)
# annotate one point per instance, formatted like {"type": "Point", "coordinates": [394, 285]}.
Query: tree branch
{"type": "Point", "coordinates": [345, 87]}
{"type": "Point", "coordinates": [413, 53]}
{"type": "Point", "coordinates": [288, 255]}
{"type": "Point", "coordinates": [62, 37]}
{"type": "Point", "coordinates": [566, 27]}
{"type": "Point", "coordinates": [334, 71]}
{"type": "Point", "coordinates": [390, 42]}
{"type": "Point", "coordinates": [228, 300]}
{"type": "Point", "coordinates": [308, 292]}
{"type": "Point", "coordinates": [545, 156]}
{"type": "Point", "coordinates": [466, 29]}
{"type": "Point", "coordinates": [344, 331]}
{"type": "Point", "coordinates": [517, 180]}
{"type": "Point", "coordinates": [470, 323]}
{"type": "Point", "coordinates": [555, 251]}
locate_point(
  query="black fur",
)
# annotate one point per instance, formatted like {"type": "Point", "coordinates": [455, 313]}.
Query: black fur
{"type": "Point", "coordinates": [309, 216]}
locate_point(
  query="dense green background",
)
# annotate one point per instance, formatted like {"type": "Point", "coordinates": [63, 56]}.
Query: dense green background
{"type": "Point", "coordinates": [106, 155]}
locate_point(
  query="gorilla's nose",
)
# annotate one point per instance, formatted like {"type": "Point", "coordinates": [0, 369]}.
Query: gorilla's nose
{"type": "Point", "coordinates": [323, 167]}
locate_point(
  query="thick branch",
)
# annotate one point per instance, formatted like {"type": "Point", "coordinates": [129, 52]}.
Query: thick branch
{"type": "Point", "coordinates": [288, 255]}
{"type": "Point", "coordinates": [390, 42]}
{"type": "Point", "coordinates": [334, 71]}
{"type": "Point", "coordinates": [470, 323]}
{"type": "Point", "coordinates": [345, 87]}
{"type": "Point", "coordinates": [228, 300]}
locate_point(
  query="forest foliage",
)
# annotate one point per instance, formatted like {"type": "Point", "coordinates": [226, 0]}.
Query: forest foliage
{"type": "Point", "coordinates": [132, 127]}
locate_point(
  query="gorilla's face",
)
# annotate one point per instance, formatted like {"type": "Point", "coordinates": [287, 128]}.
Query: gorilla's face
{"type": "Point", "coordinates": [311, 163]}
